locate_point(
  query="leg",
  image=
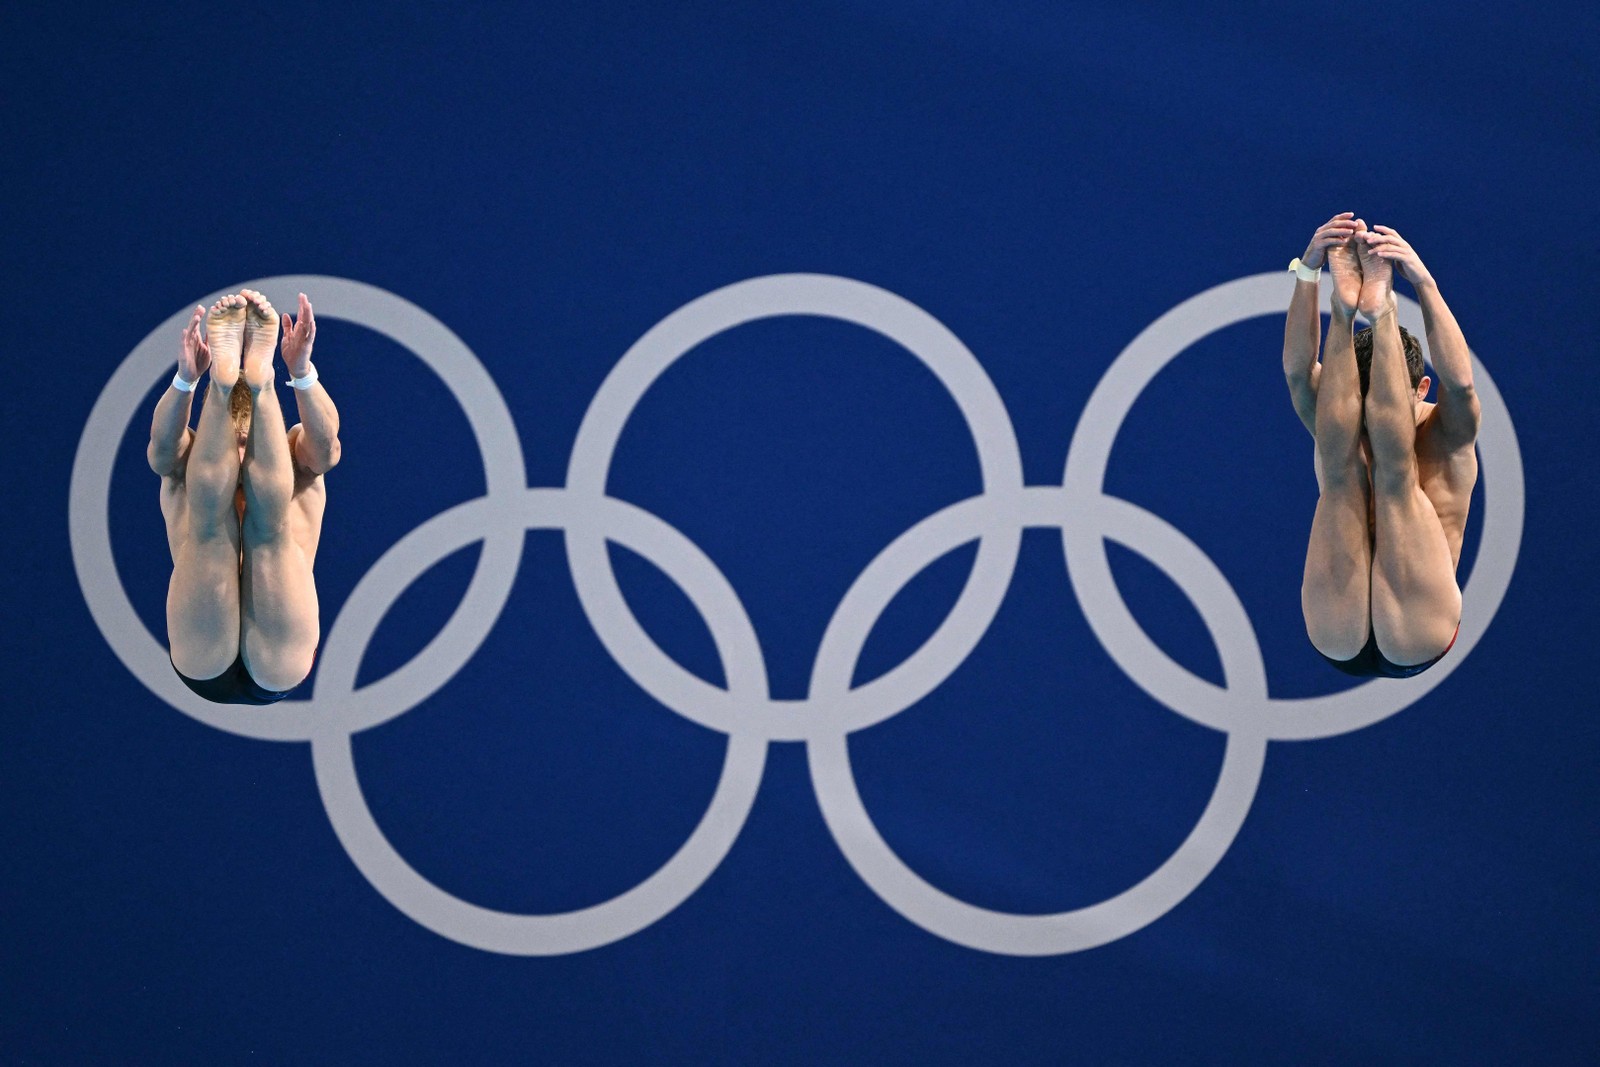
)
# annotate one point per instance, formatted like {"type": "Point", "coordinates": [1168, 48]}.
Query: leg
{"type": "Point", "coordinates": [1335, 590]}
{"type": "Point", "coordinates": [279, 630]}
{"type": "Point", "coordinates": [203, 596]}
{"type": "Point", "coordinates": [1416, 603]}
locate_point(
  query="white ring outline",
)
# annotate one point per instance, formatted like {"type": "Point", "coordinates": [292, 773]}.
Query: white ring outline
{"type": "Point", "coordinates": [1283, 719]}
{"type": "Point", "coordinates": [848, 300]}
{"type": "Point", "coordinates": [1006, 933]}
{"type": "Point", "coordinates": [658, 894]}
{"type": "Point", "coordinates": [295, 719]}
{"type": "Point", "coordinates": [1001, 511]}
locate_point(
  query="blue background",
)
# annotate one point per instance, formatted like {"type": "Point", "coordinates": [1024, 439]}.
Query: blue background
{"type": "Point", "coordinates": [549, 182]}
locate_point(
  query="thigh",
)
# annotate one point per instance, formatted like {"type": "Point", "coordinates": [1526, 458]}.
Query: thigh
{"type": "Point", "coordinates": [1416, 604]}
{"type": "Point", "coordinates": [279, 631]}
{"type": "Point", "coordinates": [1335, 590]}
{"type": "Point", "coordinates": [203, 602]}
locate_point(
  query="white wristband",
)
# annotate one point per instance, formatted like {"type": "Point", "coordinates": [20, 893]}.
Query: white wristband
{"type": "Point", "coordinates": [182, 386]}
{"type": "Point", "coordinates": [308, 381]}
{"type": "Point", "coordinates": [1303, 272]}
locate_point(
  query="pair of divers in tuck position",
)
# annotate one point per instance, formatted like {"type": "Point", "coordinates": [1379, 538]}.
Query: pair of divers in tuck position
{"type": "Point", "coordinates": [1395, 473]}
{"type": "Point", "coordinates": [243, 499]}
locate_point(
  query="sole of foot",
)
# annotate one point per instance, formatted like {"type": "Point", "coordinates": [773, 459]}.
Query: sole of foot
{"type": "Point", "coordinates": [225, 326]}
{"type": "Point", "coordinates": [260, 339]}
{"type": "Point", "coordinates": [1345, 267]}
{"type": "Point", "coordinates": [1377, 283]}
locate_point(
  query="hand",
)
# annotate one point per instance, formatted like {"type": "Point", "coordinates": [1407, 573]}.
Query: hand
{"type": "Point", "coordinates": [298, 337]}
{"type": "Point", "coordinates": [1384, 242]}
{"type": "Point", "coordinates": [194, 355]}
{"type": "Point", "coordinates": [1336, 231]}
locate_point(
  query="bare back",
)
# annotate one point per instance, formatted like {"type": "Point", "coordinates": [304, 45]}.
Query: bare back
{"type": "Point", "coordinates": [1447, 471]}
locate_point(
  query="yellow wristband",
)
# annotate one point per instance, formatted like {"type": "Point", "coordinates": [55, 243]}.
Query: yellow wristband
{"type": "Point", "coordinates": [1303, 272]}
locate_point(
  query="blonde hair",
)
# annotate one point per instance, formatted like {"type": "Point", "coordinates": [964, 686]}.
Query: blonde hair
{"type": "Point", "coordinates": [240, 406]}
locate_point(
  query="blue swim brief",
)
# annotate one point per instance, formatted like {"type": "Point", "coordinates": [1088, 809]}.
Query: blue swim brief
{"type": "Point", "coordinates": [1370, 663]}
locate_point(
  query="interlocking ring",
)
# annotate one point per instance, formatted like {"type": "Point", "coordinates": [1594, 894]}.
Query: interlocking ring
{"type": "Point", "coordinates": [745, 710]}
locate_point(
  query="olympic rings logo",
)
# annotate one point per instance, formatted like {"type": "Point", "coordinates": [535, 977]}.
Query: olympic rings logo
{"type": "Point", "coordinates": [1241, 707]}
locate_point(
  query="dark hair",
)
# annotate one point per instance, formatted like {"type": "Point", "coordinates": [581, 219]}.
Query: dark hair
{"type": "Point", "coordinates": [1413, 350]}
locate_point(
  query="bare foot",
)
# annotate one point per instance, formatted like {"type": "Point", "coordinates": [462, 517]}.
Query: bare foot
{"type": "Point", "coordinates": [1377, 280]}
{"type": "Point", "coordinates": [225, 338]}
{"type": "Point", "coordinates": [1345, 266]}
{"type": "Point", "coordinates": [260, 339]}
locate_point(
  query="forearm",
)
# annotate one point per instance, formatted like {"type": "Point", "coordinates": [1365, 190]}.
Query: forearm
{"type": "Point", "coordinates": [319, 427]}
{"type": "Point", "coordinates": [1301, 333]}
{"type": "Point", "coordinates": [168, 430]}
{"type": "Point", "coordinates": [1452, 360]}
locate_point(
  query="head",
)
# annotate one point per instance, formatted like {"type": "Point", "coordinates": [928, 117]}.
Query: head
{"type": "Point", "coordinates": [1413, 351]}
{"type": "Point", "coordinates": [239, 408]}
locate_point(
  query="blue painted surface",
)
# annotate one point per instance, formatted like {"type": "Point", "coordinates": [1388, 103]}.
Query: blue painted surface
{"type": "Point", "coordinates": [1044, 180]}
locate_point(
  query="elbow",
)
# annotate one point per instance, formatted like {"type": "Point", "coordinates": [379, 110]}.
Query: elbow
{"type": "Point", "coordinates": [1460, 393]}
{"type": "Point", "coordinates": [160, 459]}
{"type": "Point", "coordinates": [327, 458]}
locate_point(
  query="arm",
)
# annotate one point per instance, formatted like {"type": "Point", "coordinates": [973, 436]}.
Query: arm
{"type": "Point", "coordinates": [170, 435]}
{"type": "Point", "coordinates": [316, 446]}
{"type": "Point", "coordinates": [1303, 331]}
{"type": "Point", "coordinates": [1458, 411]}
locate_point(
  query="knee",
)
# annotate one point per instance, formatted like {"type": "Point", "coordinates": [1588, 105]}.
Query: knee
{"type": "Point", "coordinates": [264, 525]}
{"type": "Point", "coordinates": [1391, 431]}
{"type": "Point", "coordinates": [1344, 477]}
{"type": "Point", "coordinates": [1339, 410]}
{"type": "Point", "coordinates": [210, 486]}
{"type": "Point", "coordinates": [1394, 477]}
{"type": "Point", "coordinates": [266, 506]}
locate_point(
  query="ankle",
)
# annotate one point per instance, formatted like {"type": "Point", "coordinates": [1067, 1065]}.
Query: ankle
{"type": "Point", "coordinates": [1375, 309]}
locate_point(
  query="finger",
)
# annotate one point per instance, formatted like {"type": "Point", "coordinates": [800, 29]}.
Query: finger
{"type": "Point", "coordinates": [1386, 229]}
{"type": "Point", "coordinates": [1344, 215]}
{"type": "Point", "coordinates": [308, 313]}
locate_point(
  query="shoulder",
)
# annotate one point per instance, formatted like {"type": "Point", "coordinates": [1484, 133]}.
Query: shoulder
{"type": "Point", "coordinates": [1449, 427]}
